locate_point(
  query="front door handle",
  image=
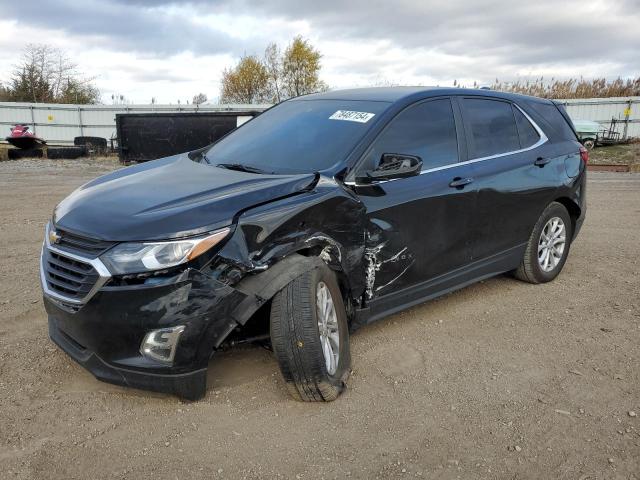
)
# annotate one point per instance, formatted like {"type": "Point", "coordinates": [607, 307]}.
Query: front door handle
{"type": "Point", "coordinates": [541, 161]}
{"type": "Point", "coordinates": [460, 183]}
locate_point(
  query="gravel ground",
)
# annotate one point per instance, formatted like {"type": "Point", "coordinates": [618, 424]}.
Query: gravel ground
{"type": "Point", "coordinates": [499, 380]}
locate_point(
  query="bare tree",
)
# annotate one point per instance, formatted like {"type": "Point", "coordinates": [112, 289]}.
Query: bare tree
{"type": "Point", "coordinates": [119, 99]}
{"type": "Point", "coordinates": [199, 99]}
{"type": "Point", "coordinates": [380, 81]}
{"type": "Point", "coordinates": [46, 74]}
{"type": "Point", "coordinates": [273, 65]}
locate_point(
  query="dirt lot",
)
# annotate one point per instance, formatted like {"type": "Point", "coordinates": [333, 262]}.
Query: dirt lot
{"type": "Point", "coordinates": [500, 380]}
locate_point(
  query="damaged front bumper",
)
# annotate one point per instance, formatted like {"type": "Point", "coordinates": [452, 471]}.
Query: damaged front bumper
{"type": "Point", "coordinates": [189, 385]}
{"type": "Point", "coordinates": [105, 334]}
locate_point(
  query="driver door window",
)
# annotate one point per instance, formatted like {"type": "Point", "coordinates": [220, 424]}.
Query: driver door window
{"type": "Point", "coordinates": [426, 130]}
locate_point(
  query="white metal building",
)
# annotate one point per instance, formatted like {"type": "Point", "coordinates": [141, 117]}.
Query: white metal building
{"type": "Point", "coordinates": [602, 110]}
{"type": "Point", "coordinates": [59, 123]}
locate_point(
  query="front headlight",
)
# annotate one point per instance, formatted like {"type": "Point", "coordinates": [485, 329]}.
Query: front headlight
{"type": "Point", "coordinates": [127, 258]}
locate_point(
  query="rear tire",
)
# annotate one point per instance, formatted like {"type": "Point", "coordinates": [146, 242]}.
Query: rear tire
{"type": "Point", "coordinates": [301, 340]}
{"type": "Point", "coordinates": [548, 246]}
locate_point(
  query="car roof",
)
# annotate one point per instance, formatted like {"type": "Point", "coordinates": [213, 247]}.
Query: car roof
{"type": "Point", "coordinates": [410, 94]}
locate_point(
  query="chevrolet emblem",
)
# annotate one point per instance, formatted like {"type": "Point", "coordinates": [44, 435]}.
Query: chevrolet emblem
{"type": "Point", "coordinates": [54, 237]}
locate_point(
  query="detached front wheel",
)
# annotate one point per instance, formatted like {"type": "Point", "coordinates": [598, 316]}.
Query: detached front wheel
{"type": "Point", "coordinates": [310, 336]}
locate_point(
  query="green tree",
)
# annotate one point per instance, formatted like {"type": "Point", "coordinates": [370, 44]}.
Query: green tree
{"type": "Point", "coordinates": [247, 82]}
{"type": "Point", "coordinates": [301, 68]}
{"type": "Point", "coordinates": [276, 77]}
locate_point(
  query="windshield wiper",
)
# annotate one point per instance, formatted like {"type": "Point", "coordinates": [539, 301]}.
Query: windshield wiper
{"type": "Point", "coordinates": [240, 167]}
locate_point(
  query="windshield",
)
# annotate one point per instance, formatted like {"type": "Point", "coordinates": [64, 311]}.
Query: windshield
{"type": "Point", "coordinates": [299, 136]}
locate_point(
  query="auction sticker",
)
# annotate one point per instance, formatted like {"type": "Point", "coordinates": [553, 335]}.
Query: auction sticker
{"type": "Point", "coordinates": [349, 116]}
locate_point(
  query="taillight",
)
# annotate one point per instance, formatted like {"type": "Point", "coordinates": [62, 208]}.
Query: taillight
{"type": "Point", "coordinates": [584, 155]}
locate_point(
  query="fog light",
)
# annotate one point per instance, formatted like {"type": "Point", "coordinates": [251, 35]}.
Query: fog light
{"type": "Point", "coordinates": [161, 344]}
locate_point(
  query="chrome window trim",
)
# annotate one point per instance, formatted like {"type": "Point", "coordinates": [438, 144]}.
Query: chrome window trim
{"type": "Point", "coordinates": [541, 141]}
{"type": "Point", "coordinates": [96, 263]}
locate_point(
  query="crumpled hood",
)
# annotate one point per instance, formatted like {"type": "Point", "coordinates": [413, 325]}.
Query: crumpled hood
{"type": "Point", "coordinates": [168, 198]}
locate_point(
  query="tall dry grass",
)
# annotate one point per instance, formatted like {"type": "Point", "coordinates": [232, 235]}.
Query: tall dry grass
{"type": "Point", "coordinates": [572, 88]}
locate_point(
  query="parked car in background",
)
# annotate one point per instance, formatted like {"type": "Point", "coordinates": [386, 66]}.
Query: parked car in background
{"type": "Point", "coordinates": [587, 132]}
{"type": "Point", "coordinates": [325, 213]}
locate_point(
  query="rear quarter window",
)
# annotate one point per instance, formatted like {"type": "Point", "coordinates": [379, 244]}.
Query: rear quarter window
{"type": "Point", "coordinates": [492, 127]}
{"type": "Point", "coordinates": [554, 120]}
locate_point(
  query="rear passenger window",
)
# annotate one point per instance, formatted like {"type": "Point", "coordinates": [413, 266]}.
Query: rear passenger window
{"type": "Point", "coordinates": [528, 135]}
{"type": "Point", "coordinates": [427, 130]}
{"type": "Point", "coordinates": [492, 125]}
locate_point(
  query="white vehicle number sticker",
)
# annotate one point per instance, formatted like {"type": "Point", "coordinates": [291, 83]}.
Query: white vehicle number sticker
{"type": "Point", "coordinates": [349, 116]}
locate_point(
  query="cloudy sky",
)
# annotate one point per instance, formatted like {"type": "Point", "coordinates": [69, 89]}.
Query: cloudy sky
{"type": "Point", "coordinates": [172, 50]}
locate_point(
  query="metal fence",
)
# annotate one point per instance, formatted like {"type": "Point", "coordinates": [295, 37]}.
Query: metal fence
{"type": "Point", "coordinates": [59, 124]}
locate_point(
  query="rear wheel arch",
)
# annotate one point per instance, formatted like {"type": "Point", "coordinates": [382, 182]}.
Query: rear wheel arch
{"type": "Point", "coordinates": [573, 209]}
{"type": "Point", "coordinates": [556, 241]}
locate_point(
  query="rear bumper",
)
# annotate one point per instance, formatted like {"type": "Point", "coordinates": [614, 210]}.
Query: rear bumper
{"type": "Point", "coordinates": [582, 197]}
{"type": "Point", "coordinates": [190, 385]}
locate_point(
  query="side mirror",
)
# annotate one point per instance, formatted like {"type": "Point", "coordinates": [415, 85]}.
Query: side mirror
{"type": "Point", "coordinates": [392, 166]}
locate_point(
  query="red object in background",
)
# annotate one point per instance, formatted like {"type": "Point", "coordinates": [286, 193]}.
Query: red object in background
{"type": "Point", "coordinates": [584, 155]}
{"type": "Point", "coordinates": [21, 137]}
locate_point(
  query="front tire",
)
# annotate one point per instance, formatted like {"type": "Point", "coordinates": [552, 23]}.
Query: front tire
{"type": "Point", "coordinates": [310, 336]}
{"type": "Point", "coordinates": [548, 246]}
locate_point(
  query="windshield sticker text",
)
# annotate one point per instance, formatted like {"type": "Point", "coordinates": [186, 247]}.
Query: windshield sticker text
{"type": "Point", "coordinates": [348, 115]}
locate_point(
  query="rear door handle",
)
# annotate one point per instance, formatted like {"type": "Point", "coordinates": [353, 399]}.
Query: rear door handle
{"type": "Point", "coordinates": [541, 161]}
{"type": "Point", "coordinates": [460, 182]}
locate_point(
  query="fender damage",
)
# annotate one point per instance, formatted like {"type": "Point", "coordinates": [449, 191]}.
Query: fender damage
{"type": "Point", "coordinates": [274, 243]}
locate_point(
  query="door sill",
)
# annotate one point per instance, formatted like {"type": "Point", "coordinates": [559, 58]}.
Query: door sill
{"type": "Point", "coordinates": [461, 277]}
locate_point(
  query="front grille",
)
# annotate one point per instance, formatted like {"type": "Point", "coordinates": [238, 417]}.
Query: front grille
{"type": "Point", "coordinates": [68, 277]}
{"type": "Point", "coordinates": [89, 247]}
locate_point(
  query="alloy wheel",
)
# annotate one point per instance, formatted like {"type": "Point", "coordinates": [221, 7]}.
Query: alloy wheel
{"type": "Point", "coordinates": [551, 244]}
{"type": "Point", "coordinates": [328, 328]}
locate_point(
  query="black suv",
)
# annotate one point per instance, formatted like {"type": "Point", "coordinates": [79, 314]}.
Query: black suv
{"type": "Point", "coordinates": [323, 214]}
